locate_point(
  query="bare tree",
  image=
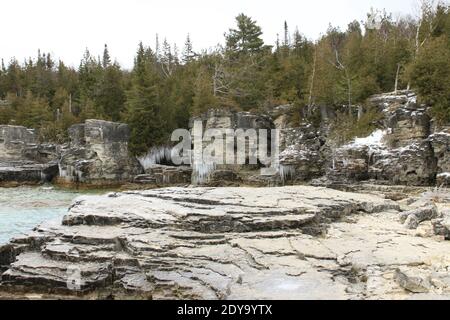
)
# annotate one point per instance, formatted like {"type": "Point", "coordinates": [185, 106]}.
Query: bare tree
{"type": "Point", "coordinates": [220, 86]}
{"type": "Point", "coordinates": [342, 67]}
{"type": "Point", "coordinates": [426, 9]}
{"type": "Point", "coordinates": [396, 77]}
{"type": "Point", "coordinates": [313, 76]}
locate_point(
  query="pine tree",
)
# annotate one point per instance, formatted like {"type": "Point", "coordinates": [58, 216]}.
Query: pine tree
{"type": "Point", "coordinates": [430, 75]}
{"type": "Point", "coordinates": [204, 98]}
{"type": "Point", "coordinates": [144, 112]}
{"type": "Point", "coordinates": [286, 41]}
{"type": "Point", "coordinates": [110, 95]}
{"type": "Point", "coordinates": [106, 60]}
{"type": "Point", "coordinates": [246, 38]}
{"type": "Point", "coordinates": [188, 53]}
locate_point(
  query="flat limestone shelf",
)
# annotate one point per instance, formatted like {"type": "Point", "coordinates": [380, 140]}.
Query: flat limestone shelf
{"type": "Point", "coordinates": [224, 243]}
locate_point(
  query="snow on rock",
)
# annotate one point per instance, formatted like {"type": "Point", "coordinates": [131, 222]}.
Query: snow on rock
{"type": "Point", "coordinates": [374, 140]}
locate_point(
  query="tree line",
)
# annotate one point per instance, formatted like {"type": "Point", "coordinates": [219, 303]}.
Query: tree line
{"type": "Point", "coordinates": [167, 86]}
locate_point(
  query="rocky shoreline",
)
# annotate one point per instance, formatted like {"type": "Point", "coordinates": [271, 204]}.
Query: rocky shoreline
{"type": "Point", "coordinates": [235, 243]}
{"type": "Point", "coordinates": [369, 219]}
{"type": "Point", "coordinates": [408, 148]}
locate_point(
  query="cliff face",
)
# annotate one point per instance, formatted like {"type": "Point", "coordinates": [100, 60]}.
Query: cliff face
{"type": "Point", "coordinates": [23, 159]}
{"type": "Point", "coordinates": [14, 140]}
{"type": "Point", "coordinates": [407, 149]}
{"type": "Point", "coordinates": [222, 174]}
{"type": "Point", "coordinates": [98, 155]}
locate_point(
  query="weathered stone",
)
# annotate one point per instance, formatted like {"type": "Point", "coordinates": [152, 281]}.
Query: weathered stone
{"type": "Point", "coordinates": [442, 227]}
{"type": "Point", "coordinates": [98, 155]}
{"type": "Point", "coordinates": [301, 157]}
{"type": "Point", "coordinates": [411, 165]}
{"type": "Point", "coordinates": [200, 243]}
{"type": "Point", "coordinates": [350, 163]}
{"type": "Point", "coordinates": [165, 175]}
{"type": "Point", "coordinates": [440, 141]}
{"type": "Point", "coordinates": [26, 172]}
{"type": "Point", "coordinates": [412, 219]}
{"type": "Point", "coordinates": [228, 120]}
{"type": "Point", "coordinates": [23, 160]}
{"type": "Point", "coordinates": [232, 243]}
{"type": "Point", "coordinates": [412, 283]}
{"type": "Point", "coordinates": [14, 139]}
{"type": "Point", "coordinates": [401, 153]}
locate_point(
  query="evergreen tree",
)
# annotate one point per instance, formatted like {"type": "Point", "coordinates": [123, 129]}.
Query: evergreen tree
{"type": "Point", "coordinates": [143, 112]}
{"type": "Point", "coordinates": [246, 38]}
{"type": "Point", "coordinates": [110, 95]}
{"type": "Point", "coordinates": [106, 60]}
{"type": "Point", "coordinates": [188, 52]}
{"type": "Point", "coordinates": [430, 75]}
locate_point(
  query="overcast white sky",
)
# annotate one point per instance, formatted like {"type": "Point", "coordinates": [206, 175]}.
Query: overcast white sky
{"type": "Point", "coordinates": [66, 27]}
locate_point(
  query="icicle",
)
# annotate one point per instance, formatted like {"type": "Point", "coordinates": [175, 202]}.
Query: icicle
{"type": "Point", "coordinates": [286, 172]}
{"type": "Point", "coordinates": [201, 172]}
{"type": "Point", "coordinates": [156, 155]}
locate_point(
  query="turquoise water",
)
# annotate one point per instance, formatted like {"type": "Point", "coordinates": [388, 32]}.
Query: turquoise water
{"type": "Point", "coordinates": [23, 208]}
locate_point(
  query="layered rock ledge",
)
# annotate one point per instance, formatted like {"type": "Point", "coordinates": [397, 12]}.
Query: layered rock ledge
{"type": "Point", "coordinates": [225, 243]}
{"type": "Point", "coordinates": [23, 160]}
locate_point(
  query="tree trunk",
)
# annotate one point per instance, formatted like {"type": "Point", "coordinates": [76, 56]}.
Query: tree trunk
{"type": "Point", "coordinates": [70, 103]}
{"type": "Point", "coordinates": [349, 86]}
{"type": "Point", "coordinates": [360, 112]}
{"type": "Point", "coordinates": [312, 82]}
{"type": "Point", "coordinates": [396, 78]}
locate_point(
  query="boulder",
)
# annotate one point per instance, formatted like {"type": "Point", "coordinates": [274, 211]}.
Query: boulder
{"type": "Point", "coordinates": [412, 283]}
{"type": "Point", "coordinates": [411, 219]}
{"type": "Point", "coordinates": [441, 227]}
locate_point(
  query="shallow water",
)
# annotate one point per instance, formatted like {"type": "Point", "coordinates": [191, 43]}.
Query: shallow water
{"type": "Point", "coordinates": [23, 208]}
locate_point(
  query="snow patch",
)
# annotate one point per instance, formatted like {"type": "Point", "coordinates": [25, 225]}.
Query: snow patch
{"type": "Point", "coordinates": [442, 133]}
{"type": "Point", "coordinates": [374, 142]}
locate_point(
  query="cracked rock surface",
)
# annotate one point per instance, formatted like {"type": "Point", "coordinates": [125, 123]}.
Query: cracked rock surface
{"type": "Point", "coordinates": [227, 243]}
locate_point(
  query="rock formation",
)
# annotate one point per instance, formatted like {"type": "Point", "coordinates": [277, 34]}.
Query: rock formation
{"type": "Point", "coordinates": [440, 142]}
{"type": "Point", "coordinates": [98, 155]}
{"type": "Point", "coordinates": [23, 159]}
{"type": "Point", "coordinates": [227, 243]}
{"type": "Point", "coordinates": [301, 154]}
{"type": "Point", "coordinates": [203, 173]}
{"type": "Point", "coordinates": [402, 152]}
{"type": "Point", "coordinates": [160, 175]}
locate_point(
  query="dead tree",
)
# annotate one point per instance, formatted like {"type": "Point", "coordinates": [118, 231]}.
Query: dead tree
{"type": "Point", "coordinates": [313, 76]}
